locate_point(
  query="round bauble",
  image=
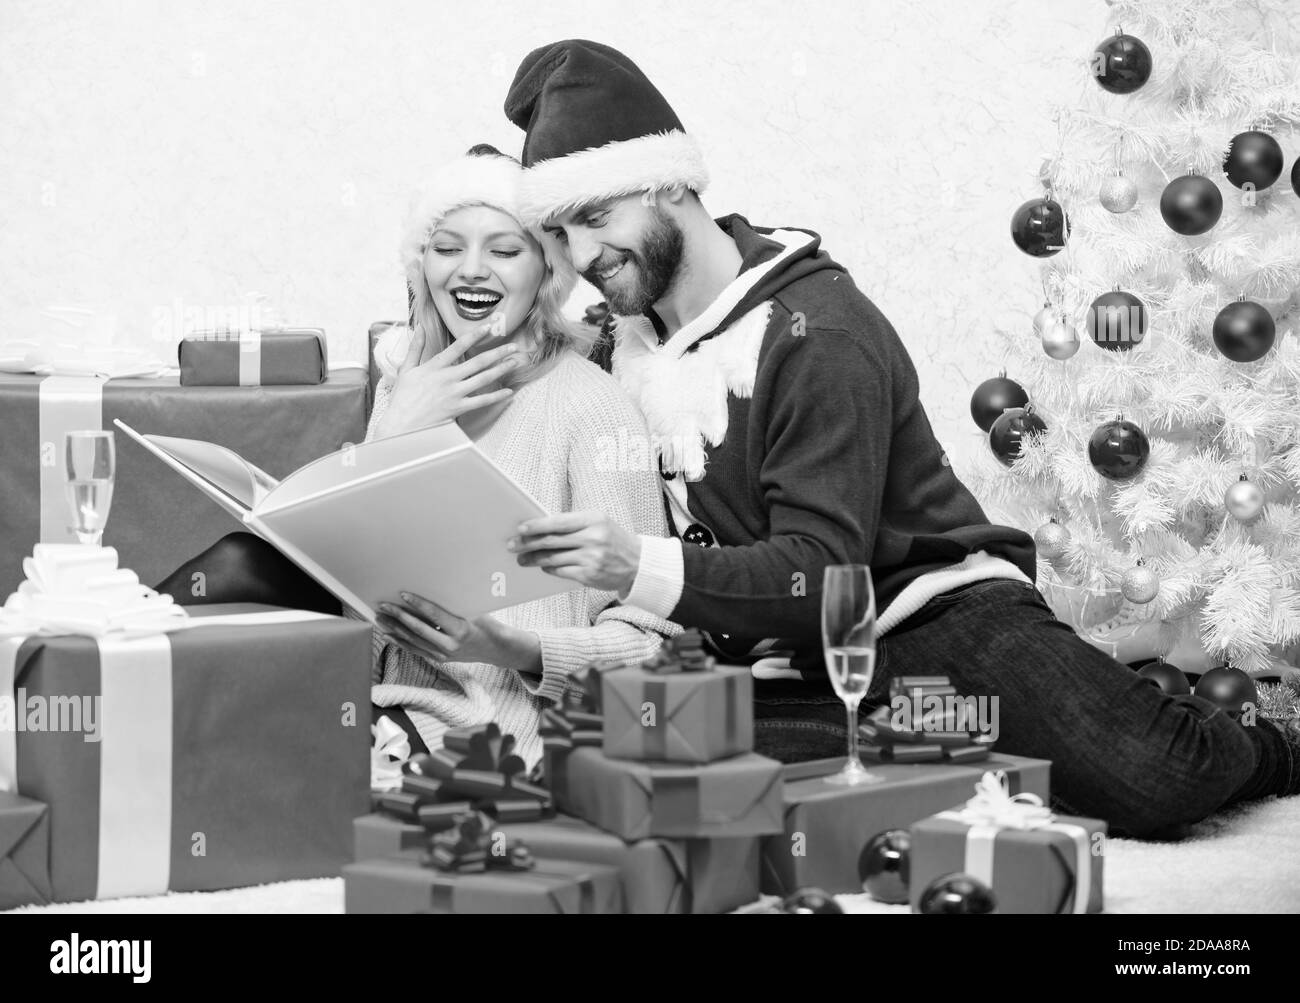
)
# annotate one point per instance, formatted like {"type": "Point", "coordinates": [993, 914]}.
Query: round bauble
{"type": "Point", "coordinates": [1117, 321]}
{"type": "Point", "coordinates": [1039, 227]}
{"type": "Point", "coordinates": [1121, 64]}
{"type": "Point", "coordinates": [811, 901]}
{"type": "Point", "coordinates": [1244, 500]}
{"type": "Point", "coordinates": [994, 396]}
{"type": "Point", "coordinates": [1140, 585]}
{"type": "Point", "coordinates": [884, 866]}
{"type": "Point", "coordinates": [1051, 539]}
{"type": "Point", "coordinates": [1044, 317]}
{"type": "Point", "coordinates": [1191, 205]}
{"type": "Point", "coordinates": [1254, 158]}
{"type": "Point", "coordinates": [1228, 687]}
{"type": "Point", "coordinates": [1166, 677]}
{"type": "Point", "coordinates": [1010, 429]}
{"type": "Point", "coordinates": [1295, 176]}
{"type": "Point", "coordinates": [1244, 331]}
{"type": "Point", "coordinates": [955, 895]}
{"type": "Point", "coordinates": [1118, 194]}
{"type": "Point", "coordinates": [1060, 339]}
{"type": "Point", "coordinates": [1118, 450]}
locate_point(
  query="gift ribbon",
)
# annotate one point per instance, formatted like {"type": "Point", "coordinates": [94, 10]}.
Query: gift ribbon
{"type": "Point", "coordinates": [66, 404]}
{"type": "Point", "coordinates": [390, 749]}
{"type": "Point", "coordinates": [250, 358]}
{"type": "Point", "coordinates": [994, 809]}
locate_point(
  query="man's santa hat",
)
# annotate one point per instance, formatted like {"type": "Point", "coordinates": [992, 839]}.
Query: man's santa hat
{"type": "Point", "coordinates": [596, 128]}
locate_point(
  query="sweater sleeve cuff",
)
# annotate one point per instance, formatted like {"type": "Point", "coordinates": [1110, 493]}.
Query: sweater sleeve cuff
{"type": "Point", "coordinates": [568, 650]}
{"type": "Point", "coordinates": [660, 577]}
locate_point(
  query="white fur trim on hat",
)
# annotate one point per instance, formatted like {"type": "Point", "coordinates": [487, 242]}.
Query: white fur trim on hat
{"type": "Point", "coordinates": [647, 163]}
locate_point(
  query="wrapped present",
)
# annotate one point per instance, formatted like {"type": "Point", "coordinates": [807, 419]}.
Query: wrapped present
{"type": "Point", "coordinates": [157, 520]}
{"type": "Point", "coordinates": [740, 796]}
{"type": "Point", "coordinates": [826, 826]}
{"type": "Point", "coordinates": [287, 356]}
{"type": "Point", "coordinates": [658, 875]}
{"type": "Point", "coordinates": [477, 765]}
{"type": "Point", "coordinates": [233, 752]}
{"type": "Point", "coordinates": [678, 707]}
{"type": "Point", "coordinates": [401, 884]}
{"type": "Point", "coordinates": [1034, 861]}
{"type": "Point", "coordinates": [381, 834]}
{"type": "Point", "coordinates": [576, 723]}
{"type": "Point", "coordinates": [24, 851]}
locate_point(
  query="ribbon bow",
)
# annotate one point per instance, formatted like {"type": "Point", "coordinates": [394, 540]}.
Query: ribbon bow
{"type": "Point", "coordinates": [683, 653]}
{"type": "Point", "coordinates": [994, 805]}
{"type": "Point", "coordinates": [472, 845]}
{"type": "Point", "coordinates": [390, 749]}
{"type": "Point", "coordinates": [933, 736]}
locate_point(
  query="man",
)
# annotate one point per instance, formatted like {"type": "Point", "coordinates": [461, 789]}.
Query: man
{"type": "Point", "coordinates": [791, 437]}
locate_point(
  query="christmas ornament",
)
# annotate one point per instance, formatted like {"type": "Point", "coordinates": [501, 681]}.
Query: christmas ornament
{"type": "Point", "coordinates": [1118, 450]}
{"type": "Point", "coordinates": [957, 894]}
{"type": "Point", "coordinates": [1061, 339]}
{"type": "Point", "coordinates": [1244, 500]}
{"type": "Point", "coordinates": [1254, 158]}
{"type": "Point", "coordinates": [1051, 539]}
{"type": "Point", "coordinates": [1039, 227]}
{"type": "Point", "coordinates": [1044, 317]}
{"type": "Point", "coordinates": [1121, 64]}
{"type": "Point", "coordinates": [1295, 176]}
{"type": "Point", "coordinates": [1191, 205]}
{"type": "Point", "coordinates": [1117, 321]}
{"type": "Point", "coordinates": [994, 396]}
{"type": "Point", "coordinates": [811, 901]}
{"type": "Point", "coordinates": [1140, 584]}
{"type": "Point", "coordinates": [1244, 331]}
{"type": "Point", "coordinates": [1118, 194]}
{"type": "Point", "coordinates": [884, 864]}
{"type": "Point", "coordinates": [1011, 427]}
{"type": "Point", "coordinates": [1167, 677]}
{"type": "Point", "coordinates": [1228, 687]}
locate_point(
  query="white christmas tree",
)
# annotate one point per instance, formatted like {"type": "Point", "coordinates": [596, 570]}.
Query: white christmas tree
{"type": "Point", "coordinates": [1135, 174]}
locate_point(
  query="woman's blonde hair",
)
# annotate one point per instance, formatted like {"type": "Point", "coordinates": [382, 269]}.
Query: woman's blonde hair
{"type": "Point", "coordinates": [487, 177]}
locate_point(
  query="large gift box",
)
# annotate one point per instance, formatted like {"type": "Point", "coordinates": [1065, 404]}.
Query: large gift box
{"type": "Point", "coordinates": [1032, 860]}
{"type": "Point", "coordinates": [403, 884]}
{"type": "Point", "coordinates": [24, 851]}
{"type": "Point", "coordinates": [158, 520]}
{"type": "Point", "coordinates": [381, 835]}
{"type": "Point", "coordinates": [827, 826]}
{"type": "Point", "coordinates": [285, 357]}
{"type": "Point", "coordinates": [233, 752]}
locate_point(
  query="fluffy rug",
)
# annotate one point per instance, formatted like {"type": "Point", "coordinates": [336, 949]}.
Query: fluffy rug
{"type": "Point", "coordinates": [1241, 860]}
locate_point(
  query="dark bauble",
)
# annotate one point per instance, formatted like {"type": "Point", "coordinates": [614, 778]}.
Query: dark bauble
{"type": "Point", "coordinates": [957, 895]}
{"type": "Point", "coordinates": [1010, 428]}
{"type": "Point", "coordinates": [1166, 677]}
{"type": "Point", "coordinates": [1254, 158]}
{"type": "Point", "coordinates": [1039, 227]}
{"type": "Point", "coordinates": [994, 396]}
{"type": "Point", "coordinates": [1117, 321]}
{"type": "Point", "coordinates": [1121, 64]}
{"type": "Point", "coordinates": [884, 865]}
{"type": "Point", "coordinates": [1244, 331]}
{"type": "Point", "coordinates": [1191, 205]}
{"type": "Point", "coordinates": [1295, 176]}
{"type": "Point", "coordinates": [1228, 687]}
{"type": "Point", "coordinates": [1118, 450]}
{"type": "Point", "coordinates": [811, 901]}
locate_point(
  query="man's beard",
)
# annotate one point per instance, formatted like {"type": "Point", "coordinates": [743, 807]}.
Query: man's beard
{"type": "Point", "coordinates": [656, 262]}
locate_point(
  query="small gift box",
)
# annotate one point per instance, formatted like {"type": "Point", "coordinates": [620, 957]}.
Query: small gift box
{"type": "Point", "coordinates": [678, 707]}
{"type": "Point", "coordinates": [24, 851]}
{"type": "Point", "coordinates": [826, 826]}
{"type": "Point", "coordinates": [1034, 861]}
{"type": "Point", "coordinates": [246, 358]}
{"type": "Point", "coordinates": [740, 796]}
{"type": "Point", "coordinates": [925, 721]}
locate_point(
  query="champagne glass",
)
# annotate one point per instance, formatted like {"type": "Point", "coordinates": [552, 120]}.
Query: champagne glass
{"type": "Point", "coordinates": [91, 460]}
{"type": "Point", "coordinates": [849, 640]}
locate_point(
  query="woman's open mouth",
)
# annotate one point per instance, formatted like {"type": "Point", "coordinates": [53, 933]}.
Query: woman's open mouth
{"type": "Point", "coordinates": [475, 304]}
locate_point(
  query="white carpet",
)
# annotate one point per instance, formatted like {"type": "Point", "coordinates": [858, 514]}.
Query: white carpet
{"type": "Point", "coordinates": [1242, 860]}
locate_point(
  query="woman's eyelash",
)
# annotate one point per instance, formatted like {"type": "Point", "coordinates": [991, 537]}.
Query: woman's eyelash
{"type": "Point", "coordinates": [446, 250]}
{"type": "Point", "coordinates": [506, 254]}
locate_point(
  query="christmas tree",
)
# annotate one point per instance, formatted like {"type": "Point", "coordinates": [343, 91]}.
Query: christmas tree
{"type": "Point", "coordinates": [1149, 434]}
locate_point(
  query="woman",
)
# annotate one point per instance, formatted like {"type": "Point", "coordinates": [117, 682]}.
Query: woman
{"type": "Point", "coordinates": [491, 350]}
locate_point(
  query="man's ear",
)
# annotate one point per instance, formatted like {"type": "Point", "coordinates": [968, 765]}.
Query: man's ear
{"type": "Point", "coordinates": [675, 194]}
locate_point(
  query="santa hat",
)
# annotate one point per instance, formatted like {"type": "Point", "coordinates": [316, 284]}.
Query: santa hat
{"type": "Point", "coordinates": [596, 128]}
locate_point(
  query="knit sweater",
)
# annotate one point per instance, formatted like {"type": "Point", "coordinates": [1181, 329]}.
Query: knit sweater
{"type": "Point", "coordinates": [555, 440]}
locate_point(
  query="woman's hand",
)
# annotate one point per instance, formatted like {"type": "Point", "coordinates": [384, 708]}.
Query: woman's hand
{"type": "Point", "coordinates": [426, 629]}
{"type": "Point", "coordinates": [431, 389]}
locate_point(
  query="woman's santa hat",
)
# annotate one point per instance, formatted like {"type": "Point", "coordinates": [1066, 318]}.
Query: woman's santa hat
{"type": "Point", "coordinates": [596, 128]}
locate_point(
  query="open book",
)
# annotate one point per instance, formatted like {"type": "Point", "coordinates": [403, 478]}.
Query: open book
{"type": "Point", "coordinates": [424, 512]}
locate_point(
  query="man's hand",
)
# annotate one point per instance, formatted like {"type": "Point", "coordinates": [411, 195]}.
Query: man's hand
{"type": "Point", "coordinates": [582, 546]}
{"type": "Point", "coordinates": [426, 629]}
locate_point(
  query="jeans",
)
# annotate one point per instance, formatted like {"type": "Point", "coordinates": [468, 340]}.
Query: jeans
{"type": "Point", "coordinates": [1121, 749]}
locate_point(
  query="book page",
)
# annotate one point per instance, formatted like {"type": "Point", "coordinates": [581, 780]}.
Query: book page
{"type": "Point", "coordinates": [223, 467]}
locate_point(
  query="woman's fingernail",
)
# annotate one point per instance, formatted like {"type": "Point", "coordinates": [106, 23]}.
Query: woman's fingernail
{"type": "Point", "coordinates": [511, 545]}
{"type": "Point", "coordinates": [406, 596]}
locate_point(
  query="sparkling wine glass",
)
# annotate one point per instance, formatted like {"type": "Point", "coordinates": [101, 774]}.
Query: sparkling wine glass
{"type": "Point", "coordinates": [849, 639]}
{"type": "Point", "coordinates": [91, 460]}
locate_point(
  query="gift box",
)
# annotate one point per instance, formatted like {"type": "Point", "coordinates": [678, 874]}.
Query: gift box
{"type": "Point", "coordinates": [679, 717]}
{"type": "Point", "coordinates": [827, 826]}
{"type": "Point", "coordinates": [402, 884]}
{"type": "Point", "coordinates": [1034, 861]}
{"type": "Point", "coordinates": [24, 852]}
{"type": "Point", "coordinates": [658, 875]}
{"type": "Point", "coordinates": [285, 357]}
{"type": "Point", "coordinates": [381, 835]}
{"type": "Point", "coordinates": [157, 520]}
{"type": "Point", "coordinates": [740, 796]}
{"type": "Point", "coordinates": [233, 752]}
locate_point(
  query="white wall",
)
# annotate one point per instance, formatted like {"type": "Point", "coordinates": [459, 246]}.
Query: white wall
{"type": "Point", "coordinates": [151, 152]}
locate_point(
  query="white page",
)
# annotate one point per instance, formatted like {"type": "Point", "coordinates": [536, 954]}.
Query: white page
{"type": "Point", "coordinates": [228, 502]}
{"type": "Point", "coordinates": [225, 468]}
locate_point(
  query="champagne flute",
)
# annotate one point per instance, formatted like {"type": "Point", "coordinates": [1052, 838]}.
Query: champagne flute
{"type": "Point", "coordinates": [849, 640]}
{"type": "Point", "coordinates": [91, 460]}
